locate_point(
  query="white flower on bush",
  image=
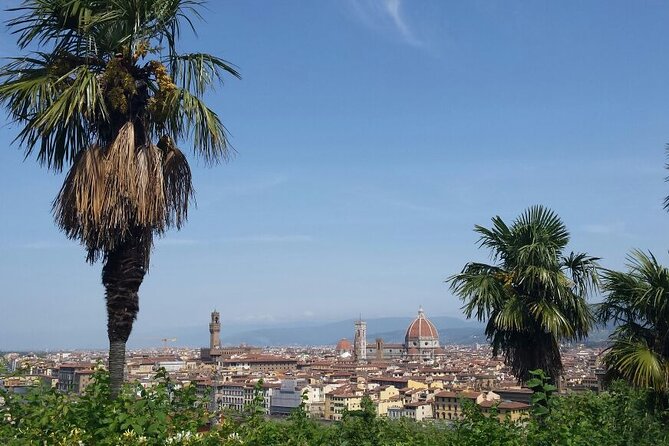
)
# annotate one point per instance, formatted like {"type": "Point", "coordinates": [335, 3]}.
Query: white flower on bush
{"type": "Point", "coordinates": [183, 438]}
{"type": "Point", "coordinates": [130, 437]}
{"type": "Point", "coordinates": [73, 438]}
{"type": "Point", "coordinates": [235, 437]}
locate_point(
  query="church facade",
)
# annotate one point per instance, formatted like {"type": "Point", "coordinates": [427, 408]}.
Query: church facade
{"type": "Point", "coordinates": [421, 342]}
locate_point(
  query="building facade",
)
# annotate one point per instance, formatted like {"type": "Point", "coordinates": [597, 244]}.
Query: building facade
{"type": "Point", "coordinates": [448, 404]}
{"type": "Point", "coordinates": [421, 342]}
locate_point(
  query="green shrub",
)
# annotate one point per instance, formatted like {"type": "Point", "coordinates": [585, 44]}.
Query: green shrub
{"type": "Point", "coordinates": [168, 415]}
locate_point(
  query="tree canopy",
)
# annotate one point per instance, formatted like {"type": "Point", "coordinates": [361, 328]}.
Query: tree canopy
{"type": "Point", "coordinates": [637, 302]}
{"type": "Point", "coordinates": [534, 296]}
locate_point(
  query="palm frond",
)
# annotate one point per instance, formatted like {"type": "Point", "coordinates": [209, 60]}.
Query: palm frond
{"type": "Point", "coordinates": [480, 287]}
{"type": "Point", "coordinates": [65, 25]}
{"type": "Point", "coordinates": [79, 205]}
{"type": "Point", "coordinates": [496, 239]}
{"type": "Point", "coordinates": [198, 72]}
{"type": "Point", "coordinates": [512, 316]}
{"type": "Point", "coordinates": [187, 116]}
{"type": "Point", "coordinates": [61, 128]}
{"type": "Point", "coordinates": [178, 183]}
{"type": "Point", "coordinates": [28, 85]}
{"type": "Point", "coordinates": [542, 223]}
{"type": "Point", "coordinates": [583, 270]}
{"type": "Point", "coordinates": [169, 15]}
{"type": "Point", "coordinates": [109, 192]}
{"type": "Point", "coordinates": [638, 363]}
{"type": "Point", "coordinates": [551, 319]}
{"type": "Point", "coordinates": [55, 108]}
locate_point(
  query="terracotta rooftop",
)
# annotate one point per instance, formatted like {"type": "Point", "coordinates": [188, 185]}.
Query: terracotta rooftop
{"type": "Point", "coordinates": [421, 328]}
{"type": "Point", "coordinates": [508, 405]}
{"type": "Point", "coordinates": [464, 394]}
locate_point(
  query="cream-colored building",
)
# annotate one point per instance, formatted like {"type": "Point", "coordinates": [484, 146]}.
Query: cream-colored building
{"type": "Point", "coordinates": [344, 398]}
{"type": "Point", "coordinates": [418, 411]}
{"type": "Point", "coordinates": [513, 410]}
{"type": "Point", "coordinates": [447, 404]}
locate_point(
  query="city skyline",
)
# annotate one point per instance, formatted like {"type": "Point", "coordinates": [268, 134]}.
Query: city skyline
{"type": "Point", "coordinates": [367, 152]}
{"type": "Point", "coordinates": [277, 334]}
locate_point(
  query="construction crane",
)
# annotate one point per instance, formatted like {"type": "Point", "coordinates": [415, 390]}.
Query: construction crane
{"type": "Point", "coordinates": [166, 340]}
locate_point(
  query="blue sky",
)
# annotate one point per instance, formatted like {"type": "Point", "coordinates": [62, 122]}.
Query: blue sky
{"type": "Point", "coordinates": [371, 136]}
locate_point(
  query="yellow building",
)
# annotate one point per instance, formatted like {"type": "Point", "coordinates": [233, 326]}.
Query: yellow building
{"type": "Point", "coordinates": [385, 398]}
{"type": "Point", "coordinates": [344, 398]}
{"type": "Point", "coordinates": [447, 404]}
{"type": "Point", "coordinates": [413, 384]}
{"type": "Point", "coordinates": [514, 410]}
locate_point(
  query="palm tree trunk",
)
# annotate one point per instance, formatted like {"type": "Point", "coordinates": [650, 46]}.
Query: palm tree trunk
{"type": "Point", "coordinates": [122, 276]}
{"type": "Point", "coordinates": [539, 350]}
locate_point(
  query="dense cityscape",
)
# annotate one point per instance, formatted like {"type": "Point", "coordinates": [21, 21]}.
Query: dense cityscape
{"type": "Point", "coordinates": [383, 150]}
{"type": "Point", "coordinates": [419, 379]}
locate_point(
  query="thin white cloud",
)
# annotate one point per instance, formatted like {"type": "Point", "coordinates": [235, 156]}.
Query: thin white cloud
{"type": "Point", "coordinates": [243, 188]}
{"type": "Point", "coordinates": [402, 204]}
{"type": "Point", "coordinates": [393, 9]}
{"type": "Point", "coordinates": [47, 245]}
{"type": "Point", "coordinates": [617, 229]}
{"type": "Point", "coordinates": [253, 238]}
{"type": "Point", "coordinates": [269, 238]}
{"type": "Point", "coordinates": [384, 16]}
{"type": "Point", "coordinates": [255, 318]}
{"type": "Point", "coordinates": [384, 199]}
{"type": "Point", "coordinates": [187, 242]}
{"type": "Point", "coordinates": [255, 186]}
{"type": "Point", "coordinates": [179, 242]}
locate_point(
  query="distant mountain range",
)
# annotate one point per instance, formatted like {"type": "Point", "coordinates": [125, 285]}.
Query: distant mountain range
{"type": "Point", "coordinates": [391, 329]}
{"type": "Point", "coordinates": [452, 330]}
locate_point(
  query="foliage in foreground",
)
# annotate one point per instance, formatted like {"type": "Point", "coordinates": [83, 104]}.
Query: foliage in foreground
{"type": "Point", "coordinates": [165, 415]}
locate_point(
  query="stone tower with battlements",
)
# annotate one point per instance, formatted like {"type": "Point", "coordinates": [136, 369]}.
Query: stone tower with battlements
{"type": "Point", "coordinates": [215, 331]}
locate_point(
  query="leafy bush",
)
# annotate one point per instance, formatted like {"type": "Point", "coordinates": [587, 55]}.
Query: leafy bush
{"type": "Point", "coordinates": [168, 415]}
{"type": "Point", "coordinates": [155, 416]}
{"type": "Point", "coordinates": [620, 416]}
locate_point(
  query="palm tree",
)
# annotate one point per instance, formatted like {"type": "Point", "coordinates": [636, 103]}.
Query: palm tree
{"type": "Point", "coordinates": [102, 91]}
{"type": "Point", "coordinates": [637, 302]}
{"type": "Point", "coordinates": [533, 297]}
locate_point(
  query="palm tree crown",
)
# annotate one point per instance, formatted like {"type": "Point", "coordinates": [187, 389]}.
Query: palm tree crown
{"type": "Point", "coordinates": [103, 91]}
{"type": "Point", "coordinates": [109, 95]}
{"type": "Point", "coordinates": [534, 296]}
{"type": "Point", "coordinates": [637, 302]}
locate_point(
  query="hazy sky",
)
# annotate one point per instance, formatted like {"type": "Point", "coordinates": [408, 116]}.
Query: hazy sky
{"type": "Point", "coordinates": [372, 136]}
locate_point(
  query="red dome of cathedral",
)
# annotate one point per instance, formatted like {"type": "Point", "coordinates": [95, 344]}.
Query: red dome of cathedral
{"type": "Point", "coordinates": [421, 329]}
{"type": "Point", "coordinates": [344, 346]}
